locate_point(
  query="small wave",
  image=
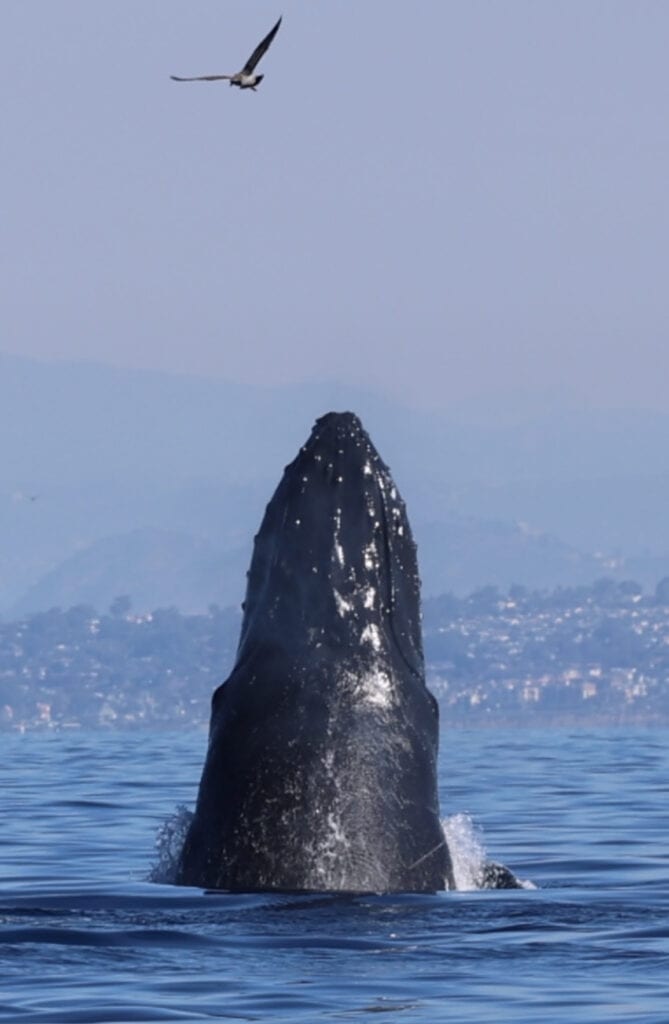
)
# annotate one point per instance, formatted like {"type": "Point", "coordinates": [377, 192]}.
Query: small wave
{"type": "Point", "coordinates": [170, 839]}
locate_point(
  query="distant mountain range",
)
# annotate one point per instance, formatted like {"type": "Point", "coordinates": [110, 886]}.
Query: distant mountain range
{"type": "Point", "coordinates": [155, 568]}
{"type": "Point", "coordinates": [149, 484]}
{"type": "Point", "coordinates": [162, 568]}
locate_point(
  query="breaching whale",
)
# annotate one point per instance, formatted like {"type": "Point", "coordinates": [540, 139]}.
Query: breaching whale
{"type": "Point", "coordinates": [320, 773]}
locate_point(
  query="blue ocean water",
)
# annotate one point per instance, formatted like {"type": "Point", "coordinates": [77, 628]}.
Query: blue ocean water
{"type": "Point", "coordinates": [85, 937]}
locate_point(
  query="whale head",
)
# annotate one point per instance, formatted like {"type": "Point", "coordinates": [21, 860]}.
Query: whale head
{"type": "Point", "coordinates": [334, 562]}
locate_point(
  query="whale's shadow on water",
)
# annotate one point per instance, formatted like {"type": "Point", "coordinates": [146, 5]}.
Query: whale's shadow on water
{"type": "Point", "coordinates": [320, 774]}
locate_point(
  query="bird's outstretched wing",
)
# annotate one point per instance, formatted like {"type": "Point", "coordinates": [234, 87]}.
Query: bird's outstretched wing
{"type": "Point", "coordinates": [260, 50]}
{"type": "Point", "coordinates": [201, 78]}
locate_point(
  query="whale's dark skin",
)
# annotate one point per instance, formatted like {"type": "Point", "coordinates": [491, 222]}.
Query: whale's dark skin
{"type": "Point", "coordinates": [320, 773]}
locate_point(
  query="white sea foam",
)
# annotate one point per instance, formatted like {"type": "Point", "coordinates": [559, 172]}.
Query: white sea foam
{"type": "Point", "coordinates": [468, 855]}
{"type": "Point", "coordinates": [170, 839]}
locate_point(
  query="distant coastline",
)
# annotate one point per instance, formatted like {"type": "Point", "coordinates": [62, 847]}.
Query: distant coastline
{"type": "Point", "coordinates": [589, 655]}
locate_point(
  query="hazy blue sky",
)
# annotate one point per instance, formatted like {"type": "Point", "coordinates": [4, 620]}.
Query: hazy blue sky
{"type": "Point", "coordinates": [441, 199]}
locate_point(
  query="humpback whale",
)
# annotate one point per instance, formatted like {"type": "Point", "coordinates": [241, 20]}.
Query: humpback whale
{"type": "Point", "coordinates": [320, 773]}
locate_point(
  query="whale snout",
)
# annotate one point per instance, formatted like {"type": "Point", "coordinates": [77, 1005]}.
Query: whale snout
{"type": "Point", "coordinates": [339, 438]}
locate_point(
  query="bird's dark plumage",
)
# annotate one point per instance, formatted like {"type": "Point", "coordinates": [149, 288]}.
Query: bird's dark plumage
{"type": "Point", "coordinates": [245, 78]}
{"type": "Point", "coordinates": [261, 49]}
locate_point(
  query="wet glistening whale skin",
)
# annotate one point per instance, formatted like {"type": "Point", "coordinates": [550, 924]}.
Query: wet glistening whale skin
{"type": "Point", "coordinates": [320, 773]}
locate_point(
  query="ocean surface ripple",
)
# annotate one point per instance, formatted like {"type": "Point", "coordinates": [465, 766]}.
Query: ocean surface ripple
{"type": "Point", "coordinates": [86, 937]}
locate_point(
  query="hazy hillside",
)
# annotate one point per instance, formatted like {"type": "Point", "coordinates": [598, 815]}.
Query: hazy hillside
{"type": "Point", "coordinates": [91, 452]}
{"type": "Point", "coordinates": [155, 568]}
{"type": "Point", "coordinates": [79, 422]}
{"type": "Point", "coordinates": [459, 555]}
{"type": "Point", "coordinates": [159, 568]}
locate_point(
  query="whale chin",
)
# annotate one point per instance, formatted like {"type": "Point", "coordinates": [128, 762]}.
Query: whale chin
{"type": "Point", "coordinates": [320, 772]}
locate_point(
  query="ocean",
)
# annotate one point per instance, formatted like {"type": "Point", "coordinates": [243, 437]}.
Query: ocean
{"type": "Point", "coordinates": [86, 936]}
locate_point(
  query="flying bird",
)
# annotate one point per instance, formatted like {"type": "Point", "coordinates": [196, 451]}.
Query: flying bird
{"type": "Point", "coordinates": [246, 78]}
